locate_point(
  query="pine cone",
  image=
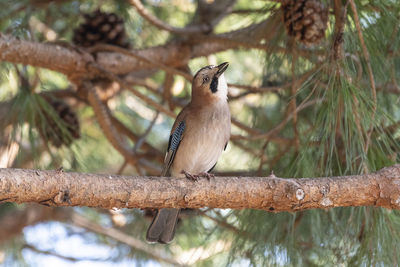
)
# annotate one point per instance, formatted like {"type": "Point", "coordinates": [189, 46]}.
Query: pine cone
{"type": "Point", "coordinates": [305, 20]}
{"type": "Point", "coordinates": [101, 27]}
{"type": "Point", "coordinates": [51, 130]}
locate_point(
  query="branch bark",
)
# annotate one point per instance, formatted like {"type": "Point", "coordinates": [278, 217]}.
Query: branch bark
{"type": "Point", "coordinates": [57, 188]}
{"type": "Point", "coordinates": [74, 62]}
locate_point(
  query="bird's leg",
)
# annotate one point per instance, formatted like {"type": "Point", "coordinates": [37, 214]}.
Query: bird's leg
{"type": "Point", "coordinates": [190, 176]}
{"type": "Point", "coordinates": [206, 175]}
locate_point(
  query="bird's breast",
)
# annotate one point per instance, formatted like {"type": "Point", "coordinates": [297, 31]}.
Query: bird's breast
{"type": "Point", "coordinates": [204, 140]}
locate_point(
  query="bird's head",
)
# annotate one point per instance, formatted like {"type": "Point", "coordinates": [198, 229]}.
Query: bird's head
{"type": "Point", "coordinates": [209, 82]}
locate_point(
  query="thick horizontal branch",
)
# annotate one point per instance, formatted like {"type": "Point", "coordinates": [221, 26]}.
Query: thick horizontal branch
{"type": "Point", "coordinates": [58, 188]}
{"type": "Point", "coordinates": [44, 55]}
{"type": "Point", "coordinates": [66, 59]}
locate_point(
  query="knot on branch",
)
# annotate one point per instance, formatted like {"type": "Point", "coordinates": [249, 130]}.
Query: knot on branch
{"type": "Point", "coordinates": [326, 202]}
{"type": "Point", "coordinates": [397, 202]}
{"type": "Point", "coordinates": [62, 197]}
{"type": "Point", "coordinates": [186, 198]}
{"type": "Point", "coordinates": [325, 190]}
{"type": "Point", "coordinates": [300, 194]}
{"type": "Point", "coordinates": [293, 189]}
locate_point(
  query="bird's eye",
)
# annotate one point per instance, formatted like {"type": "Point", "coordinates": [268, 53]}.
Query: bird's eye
{"type": "Point", "coordinates": [205, 79]}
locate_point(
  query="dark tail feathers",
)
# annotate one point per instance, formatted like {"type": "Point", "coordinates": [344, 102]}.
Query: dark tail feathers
{"type": "Point", "coordinates": [162, 228]}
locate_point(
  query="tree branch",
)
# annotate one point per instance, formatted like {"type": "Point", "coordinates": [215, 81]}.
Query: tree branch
{"type": "Point", "coordinates": [44, 55]}
{"type": "Point", "coordinates": [369, 69]}
{"type": "Point", "coordinates": [57, 188]}
{"type": "Point", "coordinates": [71, 62]}
{"type": "Point", "coordinates": [55, 254]}
{"type": "Point", "coordinates": [137, 244]}
{"type": "Point", "coordinates": [192, 29]}
{"type": "Point", "coordinates": [13, 222]}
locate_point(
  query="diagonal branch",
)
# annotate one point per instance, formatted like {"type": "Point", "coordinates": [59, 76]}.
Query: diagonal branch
{"type": "Point", "coordinates": [192, 29]}
{"type": "Point", "coordinates": [13, 222]}
{"type": "Point", "coordinates": [55, 254]}
{"type": "Point", "coordinates": [120, 236]}
{"type": "Point", "coordinates": [369, 69]}
{"type": "Point", "coordinates": [57, 188]}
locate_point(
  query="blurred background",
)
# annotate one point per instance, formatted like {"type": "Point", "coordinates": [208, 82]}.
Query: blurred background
{"type": "Point", "coordinates": [313, 92]}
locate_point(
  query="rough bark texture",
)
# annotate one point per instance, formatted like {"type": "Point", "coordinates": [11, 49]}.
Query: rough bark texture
{"type": "Point", "coordinates": [46, 55]}
{"type": "Point", "coordinates": [73, 62]}
{"type": "Point", "coordinates": [58, 188]}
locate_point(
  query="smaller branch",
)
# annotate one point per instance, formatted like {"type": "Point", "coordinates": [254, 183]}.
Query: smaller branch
{"type": "Point", "coordinates": [192, 29]}
{"type": "Point", "coordinates": [150, 151]}
{"type": "Point", "coordinates": [166, 90]}
{"type": "Point", "coordinates": [292, 103]}
{"type": "Point", "coordinates": [274, 160]}
{"type": "Point", "coordinates": [155, 153]}
{"type": "Point", "coordinates": [242, 126]}
{"type": "Point", "coordinates": [146, 133]}
{"type": "Point", "coordinates": [244, 147]}
{"type": "Point", "coordinates": [13, 222]}
{"type": "Point", "coordinates": [246, 11]}
{"type": "Point", "coordinates": [44, 29]}
{"type": "Point", "coordinates": [262, 157]}
{"type": "Point", "coordinates": [369, 68]}
{"type": "Point", "coordinates": [112, 48]}
{"type": "Point", "coordinates": [254, 89]}
{"type": "Point", "coordinates": [275, 130]}
{"type": "Point", "coordinates": [102, 72]}
{"type": "Point", "coordinates": [122, 168]}
{"type": "Point", "coordinates": [131, 80]}
{"type": "Point", "coordinates": [120, 236]}
{"type": "Point", "coordinates": [105, 123]}
{"type": "Point", "coordinates": [223, 224]}
{"type": "Point", "coordinates": [246, 43]}
{"type": "Point", "coordinates": [140, 141]}
{"type": "Point", "coordinates": [258, 90]}
{"type": "Point", "coordinates": [55, 254]}
{"type": "Point", "coordinates": [171, 70]}
{"type": "Point", "coordinates": [340, 19]}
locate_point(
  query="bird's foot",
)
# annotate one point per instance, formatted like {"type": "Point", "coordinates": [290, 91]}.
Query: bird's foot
{"type": "Point", "coordinates": [195, 177]}
{"type": "Point", "coordinates": [190, 176]}
{"type": "Point", "coordinates": [206, 175]}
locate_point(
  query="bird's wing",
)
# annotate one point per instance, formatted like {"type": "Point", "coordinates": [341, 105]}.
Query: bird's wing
{"type": "Point", "coordinates": [173, 144]}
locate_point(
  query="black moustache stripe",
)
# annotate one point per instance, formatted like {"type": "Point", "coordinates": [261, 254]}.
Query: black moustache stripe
{"type": "Point", "coordinates": [214, 85]}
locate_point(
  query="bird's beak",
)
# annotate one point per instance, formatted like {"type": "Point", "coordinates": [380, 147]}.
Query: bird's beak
{"type": "Point", "coordinates": [221, 68]}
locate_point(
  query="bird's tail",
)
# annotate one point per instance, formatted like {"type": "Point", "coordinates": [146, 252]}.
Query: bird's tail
{"type": "Point", "coordinates": [162, 228]}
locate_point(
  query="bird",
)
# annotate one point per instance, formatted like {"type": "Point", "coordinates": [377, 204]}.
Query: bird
{"type": "Point", "coordinates": [198, 136]}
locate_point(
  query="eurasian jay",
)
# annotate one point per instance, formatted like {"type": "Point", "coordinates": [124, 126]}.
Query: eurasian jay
{"type": "Point", "coordinates": [199, 135]}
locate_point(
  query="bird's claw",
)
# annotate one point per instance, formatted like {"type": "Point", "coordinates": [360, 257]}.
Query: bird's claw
{"type": "Point", "coordinates": [195, 177]}
{"type": "Point", "coordinates": [206, 175]}
{"type": "Point", "coordinates": [190, 176]}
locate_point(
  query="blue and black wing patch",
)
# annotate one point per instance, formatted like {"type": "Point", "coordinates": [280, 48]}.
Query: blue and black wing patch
{"type": "Point", "coordinates": [173, 144]}
{"type": "Point", "coordinates": [176, 137]}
